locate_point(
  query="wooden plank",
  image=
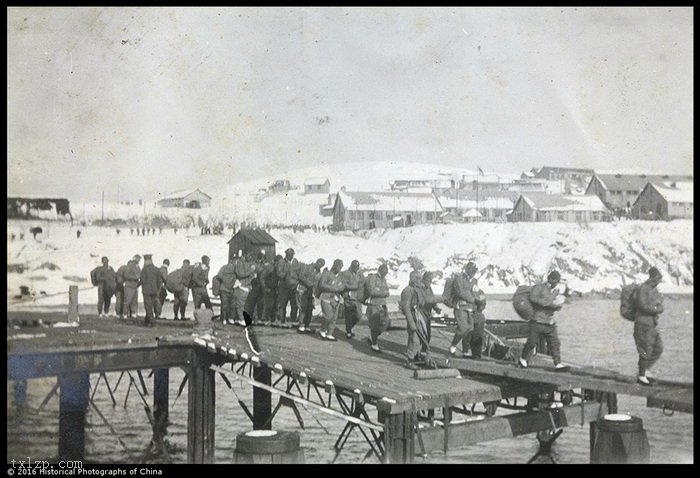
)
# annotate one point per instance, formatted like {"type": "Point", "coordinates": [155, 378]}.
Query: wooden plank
{"type": "Point", "coordinates": [24, 366]}
{"type": "Point", "coordinates": [422, 374]}
{"type": "Point", "coordinates": [575, 378]}
{"type": "Point", "coordinates": [478, 431]}
{"type": "Point", "coordinates": [673, 400]}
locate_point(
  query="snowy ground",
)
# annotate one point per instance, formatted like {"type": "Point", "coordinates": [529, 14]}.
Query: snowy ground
{"type": "Point", "coordinates": [597, 257]}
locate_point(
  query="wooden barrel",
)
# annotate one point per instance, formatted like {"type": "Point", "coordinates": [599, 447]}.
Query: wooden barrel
{"type": "Point", "coordinates": [268, 446]}
{"type": "Point", "coordinates": [620, 439]}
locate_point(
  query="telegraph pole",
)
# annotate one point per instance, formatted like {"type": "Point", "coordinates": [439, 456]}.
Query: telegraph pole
{"type": "Point", "coordinates": [102, 222]}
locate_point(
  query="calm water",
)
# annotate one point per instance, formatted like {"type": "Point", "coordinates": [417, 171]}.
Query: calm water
{"type": "Point", "coordinates": [591, 331]}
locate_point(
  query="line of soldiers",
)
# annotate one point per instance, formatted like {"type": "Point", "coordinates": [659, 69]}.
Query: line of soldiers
{"type": "Point", "coordinates": [155, 282]}
{"type": "Point", "coordinates": [263, 288]}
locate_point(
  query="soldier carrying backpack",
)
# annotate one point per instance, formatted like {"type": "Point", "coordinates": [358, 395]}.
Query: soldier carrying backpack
{"type": "Point", "coordinates": [648, 304]}
{"type": "Point", "coordinates": [464, 304]}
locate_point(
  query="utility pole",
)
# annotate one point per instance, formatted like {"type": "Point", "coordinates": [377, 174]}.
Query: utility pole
{"type": "Point", "coordinates": [102, 222]}
{"type": "Point", "coordinates": [477, 190]}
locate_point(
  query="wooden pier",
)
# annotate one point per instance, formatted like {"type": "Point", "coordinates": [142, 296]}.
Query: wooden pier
{"type": "Point", "coordinates": [397, 414]}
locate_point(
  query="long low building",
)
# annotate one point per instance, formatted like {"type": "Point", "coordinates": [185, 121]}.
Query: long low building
{"type": "Point", "coordinates": [187, 199]}
{"type": "Point", "coordinates": [369, 210]}
{"type": "Point", "coordinates": [492, 205]}
{"type": "Point", "coordinates": [540, 207]}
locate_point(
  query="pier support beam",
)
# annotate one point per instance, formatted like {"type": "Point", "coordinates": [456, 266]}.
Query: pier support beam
{"type": "Point", "coordinates": [201, 394]}
{"type": "Point", "coordinates": [73, 402]}
{"type": "Point", "coordinates": [161, 396]}
{"type": "Point", "coordinates": [262, 399]}
{"type": "Point", "coordinates": [399, 437]}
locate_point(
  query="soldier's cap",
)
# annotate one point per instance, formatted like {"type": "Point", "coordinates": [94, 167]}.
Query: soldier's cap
{"type": "Point", "coordinates": [289, 251]}
{"type": "Point", "coordinates": [105, 258]}
{"type": "Point", "coordinates": [166, 261]}
{"type": "Point", "coordinates": [337, 262]}
{"type": "Point", "coordinates": [148, 257]}
{"type": "Point", "coordinates": [654, 273]}
{"type": "Point", "coordinates": [355, 262]}
{"type": "Point", "coordinates": [320, 262]}
{"type": "Point", "coordinates": [554, 275]}
{"type": "Point", "coordinates": [137, 257]}
{"type": "Point", "coordinates": [205, 258]}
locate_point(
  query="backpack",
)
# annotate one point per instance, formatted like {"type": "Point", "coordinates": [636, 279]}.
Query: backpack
{"type": "Point", "coordinates": [366, 289]}
{"type": "Point", "coordinates": [628, 301]}
{"type": "Point", "coordinates": [448, 292]}
{"type": "Point", "coordinates": [174, 282]}
{"type": "Point", "coordinates": [93, 276]}
{"type": "Point", "coordinates": [317, 286]}
{"type": "Point", "coordinates": [361, 293]}
{"type": "Point", "coordinates": [521, 302]}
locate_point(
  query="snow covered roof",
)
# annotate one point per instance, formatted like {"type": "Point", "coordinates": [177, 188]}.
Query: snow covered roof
{"type": "Point", "coordinates": [184, 193]}
{"type": "Point", "coordinates": [255, 236]}
{"type": "Point", "coordinates": [545, 170]}
{"type": "Point", "coordinates": [561, 202]}
{"type": "Point", "coordinates": [682, 192]}
{"type": "Point", "coordinates": [635, 182]}
{"type": "Point", "coordinates": [472, 213]}
{"type": "Point", "coordinates": [316, 181]}
{"type": "Point", "coordinates": [487, 199]}
{"type": "Point", "coordinates": [389, 201]}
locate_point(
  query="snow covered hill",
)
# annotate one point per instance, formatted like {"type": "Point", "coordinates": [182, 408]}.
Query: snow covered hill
{"type": "Point", "coordinates": [592, 258]}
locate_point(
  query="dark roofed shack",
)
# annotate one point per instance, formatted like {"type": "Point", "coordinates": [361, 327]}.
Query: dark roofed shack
{"type": "Point", "coordinates": [247, 241]}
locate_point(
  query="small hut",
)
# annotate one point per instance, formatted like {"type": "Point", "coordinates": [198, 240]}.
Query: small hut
{"type": "Point", "coordinates": [248, 241]}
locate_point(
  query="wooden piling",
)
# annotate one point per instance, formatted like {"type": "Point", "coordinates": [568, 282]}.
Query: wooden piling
{"type": "Point", "coordinates": [262, 399]}
{"type": "Point", "coordinates": [399, 437]}
{"type": "Point", "coordinates": [73, 304]}
{"type": "Point", "coordinates": [161, 380]}
{"type": "Point", "coordinates": [201, 410]}
{"type": "Point", "coordinates": [73, 403]}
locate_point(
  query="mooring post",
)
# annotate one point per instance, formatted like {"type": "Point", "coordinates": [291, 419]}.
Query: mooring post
{"type": "Point", "coordinates": [399, 438]}
{"type": "Point", "coordinates": [73, 303]}
{"type": "Point", "coordinates": [161, 380]}
{"type": "Point", "coordinates": [201, 403]}
{"type": "Point", "coordinates": [591, 437]}
{"type": "Point", "coordinates": [20, 394]}
{"type": "Point", "coordinates": [612, 402]}
{"type": "Point", "coordinates": [73, 402]}
{"type": "Point", "coordinates": [262, 399]}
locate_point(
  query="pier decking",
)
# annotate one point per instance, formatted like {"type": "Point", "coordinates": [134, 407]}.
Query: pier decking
{"type": "Point", "coordinates": [343, 377]}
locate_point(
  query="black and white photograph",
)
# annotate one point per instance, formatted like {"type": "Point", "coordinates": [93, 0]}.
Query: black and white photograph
{"type": "Point", "coordinates": [348, 235]}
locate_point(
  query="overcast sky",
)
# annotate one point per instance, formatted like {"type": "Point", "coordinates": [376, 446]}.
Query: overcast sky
{"type": "Point", "coordinates": [141, 100]}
